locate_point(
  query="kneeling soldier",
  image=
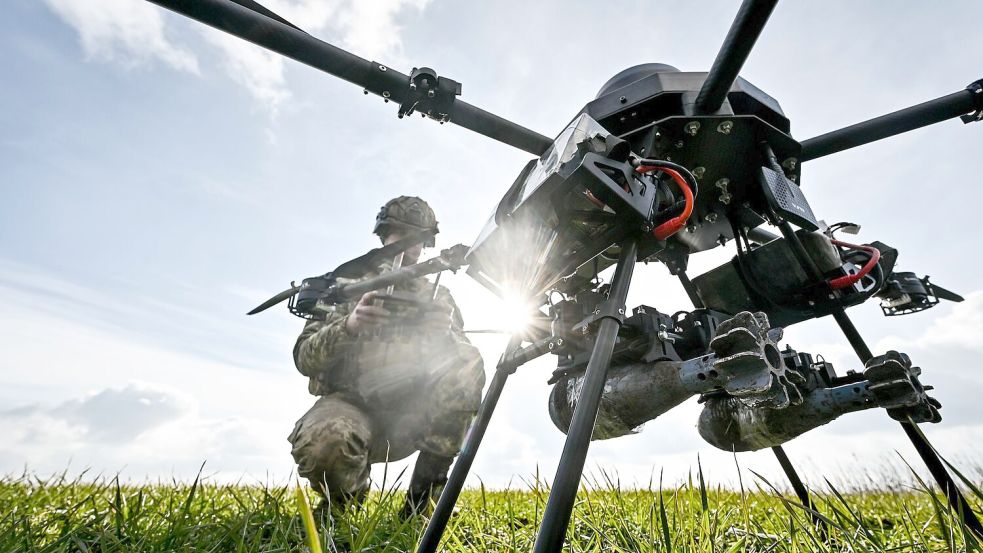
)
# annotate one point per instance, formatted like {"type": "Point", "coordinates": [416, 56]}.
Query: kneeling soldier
{"type": "Point", "coordinates": [394, 374]}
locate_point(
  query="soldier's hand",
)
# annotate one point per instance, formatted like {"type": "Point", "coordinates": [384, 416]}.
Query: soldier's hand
{"type": "Point", "coordinates": [436, 318]}
{"type": "Point", "coordinates": [366, 314]}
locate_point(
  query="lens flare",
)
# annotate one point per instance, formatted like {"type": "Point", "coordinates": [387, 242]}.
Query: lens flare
{"type": "Point", "coordinates": [510, 313]}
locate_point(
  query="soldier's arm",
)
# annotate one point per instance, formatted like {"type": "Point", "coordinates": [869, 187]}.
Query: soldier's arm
{"type": "Point", "coordinates": [321, 341]}
{"type": "Point", "coordinates": [457, 320]}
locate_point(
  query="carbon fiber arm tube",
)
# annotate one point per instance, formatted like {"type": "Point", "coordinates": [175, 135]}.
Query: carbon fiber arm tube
{"type": "Point", "coordinates": [744, 32]}
{"type": "Point", "coordinates": [901, 121]}
{"type": "Point", "coordinates": [285, 39]}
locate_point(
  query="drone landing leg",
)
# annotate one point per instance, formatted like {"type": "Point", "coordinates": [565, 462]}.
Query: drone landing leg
{"type": "Point", "coordinates": [799, 487]}
{"type": "Point", "coordinates": [559, 507]}
{"type": "Point", "coordinates": [793, 476]}
{"type": "Point", "coordinates": [452, 489]}
{"type": "Point", "coordinates": [918, 440]}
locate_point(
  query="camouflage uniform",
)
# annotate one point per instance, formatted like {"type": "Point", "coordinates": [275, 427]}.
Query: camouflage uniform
{"type": "Point", "coordinates": [411, 384]}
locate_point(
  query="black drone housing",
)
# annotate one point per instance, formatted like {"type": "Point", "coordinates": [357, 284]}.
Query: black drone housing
{"type": "Point", "coordinates": [654, 107]}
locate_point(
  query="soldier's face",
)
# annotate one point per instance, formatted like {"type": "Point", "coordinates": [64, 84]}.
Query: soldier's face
{"type": "Point", "coordinates": [412, 254]}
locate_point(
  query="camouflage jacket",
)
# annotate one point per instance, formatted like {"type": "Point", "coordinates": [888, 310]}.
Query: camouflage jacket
{"type": "Point", "coordinates": [380, 364]}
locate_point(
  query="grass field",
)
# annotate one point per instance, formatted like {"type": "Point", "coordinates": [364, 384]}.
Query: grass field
{"type": "Point", "coordinates": [58, 514]}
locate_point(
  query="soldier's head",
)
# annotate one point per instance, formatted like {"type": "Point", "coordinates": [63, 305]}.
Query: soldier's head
{"type": "Point", "coordinates": [401, 217]}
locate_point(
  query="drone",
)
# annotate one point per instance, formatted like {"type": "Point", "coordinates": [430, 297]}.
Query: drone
{"type": "Point", "coordinates": [660, 165]}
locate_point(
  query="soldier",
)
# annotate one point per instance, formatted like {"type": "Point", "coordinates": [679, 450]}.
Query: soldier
{"type": "Point", "coordinates": [393, 376]}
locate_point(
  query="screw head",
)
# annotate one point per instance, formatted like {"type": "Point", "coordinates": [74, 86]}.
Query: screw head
{"type": "Point", "coordinates": [679, 144]}
{"type": "Point", "coordinates": [698, 172]}
{"type": "Point", "coordinates": [692, 128]}
{"type": "Point", "coordinates": [383, 68]}
{"type": "Point", "coordinates": [725, 127]}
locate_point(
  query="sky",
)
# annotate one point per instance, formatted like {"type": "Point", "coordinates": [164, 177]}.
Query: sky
{"type": "Point", "coordinates": [159, 179]}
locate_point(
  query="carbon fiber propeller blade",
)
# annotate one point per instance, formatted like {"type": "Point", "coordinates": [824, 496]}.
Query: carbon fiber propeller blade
{"type": "Point", "coordinates": [944, 294]}
{"type": "Point", "coordinates": [286, 294]}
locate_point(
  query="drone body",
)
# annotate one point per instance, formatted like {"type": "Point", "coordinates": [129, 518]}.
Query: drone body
{"type": "Point", "coordinates": [661, 165]}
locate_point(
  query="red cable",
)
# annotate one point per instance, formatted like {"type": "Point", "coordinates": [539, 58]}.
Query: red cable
{"type": "Point", "coordinates": [850, 280]}
{"type": "Point", "coordinates": [672, 226]}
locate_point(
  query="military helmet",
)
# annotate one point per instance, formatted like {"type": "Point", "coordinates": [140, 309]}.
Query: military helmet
{"type": "Point", "coordinates": [407, 213]}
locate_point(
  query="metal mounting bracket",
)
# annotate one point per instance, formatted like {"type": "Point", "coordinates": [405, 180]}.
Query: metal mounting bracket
{"type": "Point", "coordinates": [977, 89]}
{"type": "Point", "coordinates": [430, 95]}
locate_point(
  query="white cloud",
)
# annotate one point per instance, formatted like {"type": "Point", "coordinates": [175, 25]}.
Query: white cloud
{"type": "Point", "coordinates": [133, 32]}
{"type": "Point", "coordinates": [110, 415]}
{"type": "Point", "coordinates": [962, 328]}
{"type": "Point", "coordinates": [123, 31]}
{"type": "Point", "coordinates": [140, 429]}
{"type": "Point", "coordinates": [258, 69]}
{"type": "Point", "coordinates": [370, 28]}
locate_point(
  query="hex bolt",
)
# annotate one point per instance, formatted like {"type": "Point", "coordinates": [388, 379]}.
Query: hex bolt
{"type": "Point", "coordinates": [692, 128]}
{"type": "Point", "coordinates": [679, 144]}
{"type": "Point", "coordinates": [790, 163]}
{"type": "Point", "coordinates": [710, 217]}
{"type": "Point", "coordinates": [725, 195]}
{"type": "Point", "coordinates": [383, 68]}
{"type": "Point", "coordinates": [725, 127]}
{"type": "Point", "coordinates": [698, 172]}
{"type": "Point", "coordinates": [623, 99]}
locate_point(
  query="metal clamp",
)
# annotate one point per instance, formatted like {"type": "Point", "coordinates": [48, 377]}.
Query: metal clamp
{"type": "Point", "coordinates": [977, 89]}
{"type": "Point", "coordinates": [430, 95]}
{"type": "Point", "coordinates": [605, 310]}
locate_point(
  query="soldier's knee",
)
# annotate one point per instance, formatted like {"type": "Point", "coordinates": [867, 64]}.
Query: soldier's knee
{"type": "Point", "coordinates": [332, 451]}
{"type": "Point", "coordinates": [459, 389]}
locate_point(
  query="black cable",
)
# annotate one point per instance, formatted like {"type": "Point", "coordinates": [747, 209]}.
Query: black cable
{"type": "Point", "coordinates": [745, 268]}
{"type": "Point", "coordinates": [686, 173]}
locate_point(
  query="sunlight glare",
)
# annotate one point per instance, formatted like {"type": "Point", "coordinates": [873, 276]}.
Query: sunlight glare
{"type": "Point", "coordinates": [512, 314]}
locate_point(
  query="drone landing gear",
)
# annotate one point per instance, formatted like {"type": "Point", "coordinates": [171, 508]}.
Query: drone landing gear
{"type": "Point", "coordinates": [566, 483]}
{"type": "Point", "coordinates": [513, 357]}
{"type": "Point", "coordinates": [459, 473]}
{"type": "Point", "coordinates": [924, 448]}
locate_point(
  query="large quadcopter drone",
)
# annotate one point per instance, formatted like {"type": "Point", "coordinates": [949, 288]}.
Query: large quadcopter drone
{"type": "Point", "coordinates": [660, 165]}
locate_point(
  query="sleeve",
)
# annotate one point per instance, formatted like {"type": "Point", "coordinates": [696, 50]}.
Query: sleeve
{"type": "Point", "coordinates": [322, 343]}
{"type": "Point", "coordinates": [457, 320]}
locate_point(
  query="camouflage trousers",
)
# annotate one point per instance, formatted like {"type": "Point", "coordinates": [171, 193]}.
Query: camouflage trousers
{"type": "Point", "coordinates": [337, 440]}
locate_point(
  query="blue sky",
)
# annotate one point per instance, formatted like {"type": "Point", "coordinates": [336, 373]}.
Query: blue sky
{"type": "Point", "coordinates": [159, 179]}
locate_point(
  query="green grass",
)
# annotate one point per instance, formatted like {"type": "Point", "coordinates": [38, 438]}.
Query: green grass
{"type": "Point", "coordinates": [59, 514]}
